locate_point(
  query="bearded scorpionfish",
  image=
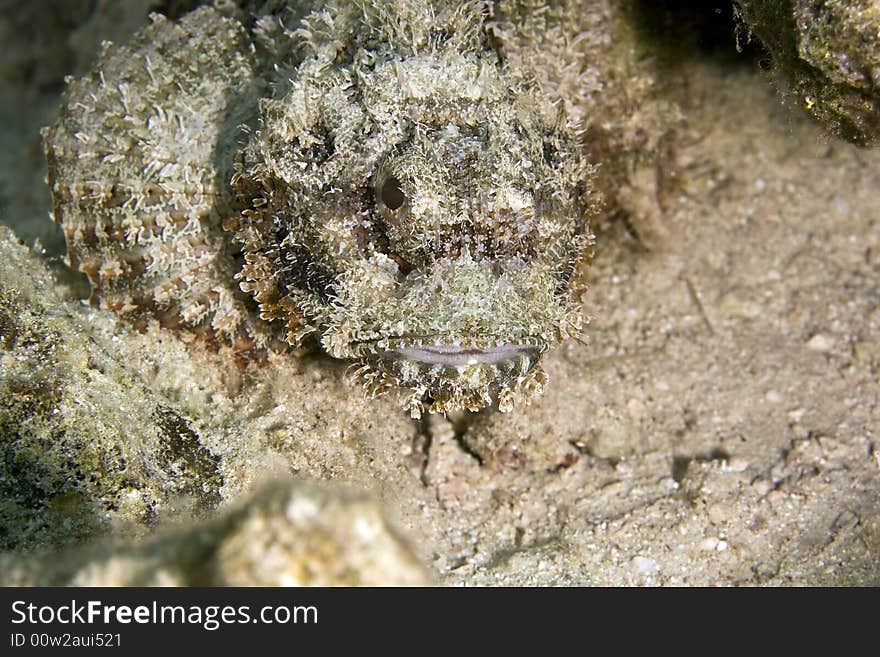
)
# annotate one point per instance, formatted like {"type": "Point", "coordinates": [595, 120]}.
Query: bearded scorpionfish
{"type": "Point", "coordinates": [409, 184]}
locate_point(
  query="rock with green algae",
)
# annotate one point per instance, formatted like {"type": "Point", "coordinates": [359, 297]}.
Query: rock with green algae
{"type": "Point", "coordinates": [290, 533]}
{"type": "Point", "coordinates": [830, 52]}
{"type": "Point", "coordinates": [87, 446]}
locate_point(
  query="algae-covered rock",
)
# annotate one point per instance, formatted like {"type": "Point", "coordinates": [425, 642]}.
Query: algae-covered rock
{"type": "Point", "coordinates": [286, 534]}
{"type": "Point", "coordinates": [86, 445]}
{"type": "Point", "coordinates": [830, 51]}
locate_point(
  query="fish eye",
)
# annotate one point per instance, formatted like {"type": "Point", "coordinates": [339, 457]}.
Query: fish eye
{"type": "Point", "coordinates": [391, 194]}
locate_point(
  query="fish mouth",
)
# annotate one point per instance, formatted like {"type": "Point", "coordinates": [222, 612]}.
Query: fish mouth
{"type": "Point", "coordinates": [454, 372]}
{"type": "Point", "coordinates": [456, 356]}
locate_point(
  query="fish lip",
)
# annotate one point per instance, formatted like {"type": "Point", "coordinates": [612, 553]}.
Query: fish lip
{"type": "Point", "coordinates": [456, 356]}
{"type": "Point", "coordinates": [450, 349]}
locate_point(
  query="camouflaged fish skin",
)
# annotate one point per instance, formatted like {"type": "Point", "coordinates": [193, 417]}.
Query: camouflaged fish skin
{"type": "Point", "coordinates": [410, 183]}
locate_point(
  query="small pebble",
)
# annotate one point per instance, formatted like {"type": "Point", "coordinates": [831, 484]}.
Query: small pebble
{"type": "Point", "coordinates": [820, 342]}
{"type": "Point", "coordinates": [645, 565]}
{"type": "Point", "coordinates": [709, 544]}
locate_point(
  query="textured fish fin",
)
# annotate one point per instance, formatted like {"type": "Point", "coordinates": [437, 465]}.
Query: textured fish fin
{"type": "Point", "coordinates": [140, 163]}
